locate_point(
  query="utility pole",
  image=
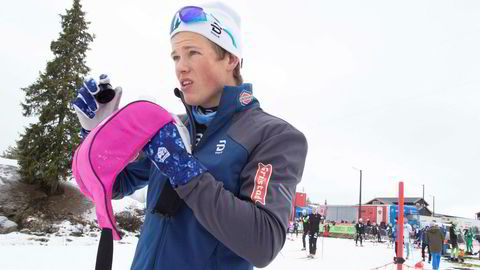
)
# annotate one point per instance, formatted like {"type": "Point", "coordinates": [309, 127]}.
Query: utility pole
{"type": "Point", "coordinates": [360, 195]}
{"type": "Point", "coordinates": [434, 206]}
{"type": "Point", "coordinates": [433, 196]}
{"type": "Point", "coordinates": [360, 198]}
{"type": "Point", "coordinates": [423, 192]}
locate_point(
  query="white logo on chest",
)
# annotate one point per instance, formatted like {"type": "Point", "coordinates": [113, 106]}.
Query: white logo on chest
{"type": "Point", "coordinates": [220, 147]}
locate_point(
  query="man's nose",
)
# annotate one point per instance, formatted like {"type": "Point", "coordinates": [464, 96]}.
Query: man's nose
{"type": "Point", "coordinates": [182, 66]}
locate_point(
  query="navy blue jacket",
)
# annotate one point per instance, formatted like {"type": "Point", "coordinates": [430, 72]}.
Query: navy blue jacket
{"type": "Point", "coordinates": [235, 216]}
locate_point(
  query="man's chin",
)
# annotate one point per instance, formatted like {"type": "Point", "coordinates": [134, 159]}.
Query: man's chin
{"type": "Point", "coordinates": [191, 101]}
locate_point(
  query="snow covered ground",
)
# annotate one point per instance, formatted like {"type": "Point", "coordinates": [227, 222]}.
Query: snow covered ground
{"type": "Point", "coordinates": [62, 250]}
{"type": "Point", "coordinates": [333, 253]}
{"type": "Point", "coordinates": [20, 251]}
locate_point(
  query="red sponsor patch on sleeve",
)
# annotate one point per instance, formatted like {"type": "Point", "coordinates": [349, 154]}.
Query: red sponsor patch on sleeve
{"type": "Point", "coordinates": [262, 177]}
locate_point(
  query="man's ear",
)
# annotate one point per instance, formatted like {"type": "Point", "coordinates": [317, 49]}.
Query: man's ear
{"type": "Point", "coordinates": [232, 62]}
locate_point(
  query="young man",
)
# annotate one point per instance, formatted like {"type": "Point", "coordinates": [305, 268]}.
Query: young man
{"type": "Point", "coordinates": [305, 227]}
{"type": "Point", "coordinates": [435, 241]}
{"type": "Point", "coordinates": [376, 232]}
{"type": "Point", "coordinates": [423, 238]}
{"type": "Point", "coordinates": [454, 242]}
{"type": "Point", "coordinates": [314, 229]}
{"type": "Point", "coordinates": [226, 204]}
{"type": "Point", "coordinates": [360, 229]}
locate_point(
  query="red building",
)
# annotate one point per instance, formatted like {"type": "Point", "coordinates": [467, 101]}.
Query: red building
{"type": "Point", "coordinates": [300, 199]}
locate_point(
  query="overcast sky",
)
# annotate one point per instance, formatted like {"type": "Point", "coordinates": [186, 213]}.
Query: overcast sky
{"type": "Point", "coordinates": [388, 87]}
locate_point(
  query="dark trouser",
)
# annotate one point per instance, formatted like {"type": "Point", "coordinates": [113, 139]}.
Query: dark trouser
{"type": "Point", "coordinates": [303, 238]}
{"type": "Point", "coordinates": [428, 250]}
{"type": "Point", "coordinates": [296, 232]}
{"type": "Point", "coordinates": [312, 243]}
{"type": "Point", "coordinates": [359, 235]}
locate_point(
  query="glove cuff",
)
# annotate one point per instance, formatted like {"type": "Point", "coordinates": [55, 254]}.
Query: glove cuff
{"type": "Point", "coordinates": [169, 154]}
{"type": "Point", "coordinates": [183, 176]}
{"type": "Point", "coordinates": [84, 133]}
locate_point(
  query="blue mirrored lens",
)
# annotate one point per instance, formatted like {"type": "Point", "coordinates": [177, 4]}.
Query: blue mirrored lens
{"type": "Point", "coordinates": [192, 14]}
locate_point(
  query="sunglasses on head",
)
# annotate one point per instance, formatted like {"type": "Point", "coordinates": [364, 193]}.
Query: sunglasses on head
{"type": "Point", "coordinates": [193, 14]}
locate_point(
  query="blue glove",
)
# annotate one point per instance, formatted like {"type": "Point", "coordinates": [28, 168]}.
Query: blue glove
{"type": "Point", "coordinates": [95, 102]}
{"type": "Point", "coordinates": [168, 151]}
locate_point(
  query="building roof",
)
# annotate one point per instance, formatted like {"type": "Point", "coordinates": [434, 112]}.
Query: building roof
{"type": "Point", "coordinates": [449, 216]}
{"type": "Point", "coordinates": [424, 211]}
{"type": "Point", "coordinates": [394, 200]}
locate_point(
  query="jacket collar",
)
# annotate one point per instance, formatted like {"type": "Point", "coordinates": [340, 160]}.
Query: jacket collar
{"type": "Point", "coordinates": [234, 99]}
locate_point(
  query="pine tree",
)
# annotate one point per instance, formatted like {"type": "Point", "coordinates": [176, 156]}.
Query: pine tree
{"type": "Point", "coordinates": [11, 153]}
{"type": "Point", "coordinates": [46, 148]}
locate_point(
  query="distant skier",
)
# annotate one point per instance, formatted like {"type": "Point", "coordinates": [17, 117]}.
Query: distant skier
{"type": "Point", "coordinates": [407, 233]}
{"type": "Point", "coordinates": [326, 229]}
{"type": "Point", "coordinates": [305, 224]}
{"type": "Point", "coordinates": [453, 242]}
{"type": "Point", "coordinates": [376, 232]}
{"type": "Point", "coordinates": [469, 240]}
{"type": "Point", "coordinates": [390, 235]}
{"type": "Point", "coordinates": [360, 228]}
{"type": "Point", "coordinates": [314, 226]}
{"type": "Point", "coordinates": [295, 227]}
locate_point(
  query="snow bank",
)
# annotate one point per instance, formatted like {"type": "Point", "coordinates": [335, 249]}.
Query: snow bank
{"type": "Point", "coordinates": [30, 252]}
{"type": "Point", "coordinates": [6, 225]}
{"type": "Point", "coordinates": [7, 173]}
{"type": "Point", "coordinates": [6, 161]}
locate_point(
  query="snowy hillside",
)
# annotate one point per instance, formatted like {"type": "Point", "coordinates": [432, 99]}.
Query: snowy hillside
{"type": "Point", "coordinates": [49, 225]}
{"type": "Point", "coordinates": [7, 170]}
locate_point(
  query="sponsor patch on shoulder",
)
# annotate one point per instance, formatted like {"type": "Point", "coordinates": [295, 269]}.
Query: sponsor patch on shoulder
{"type": "Point", "coordinates": [262, 177]}
{"type": "Point", "coordinates": [245, 97]}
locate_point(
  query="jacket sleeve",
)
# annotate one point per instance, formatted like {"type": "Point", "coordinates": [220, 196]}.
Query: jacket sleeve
{"type": "Point", "coordinates": [134, 176]}
{"type": "Point", "coordinates": [254, 224]}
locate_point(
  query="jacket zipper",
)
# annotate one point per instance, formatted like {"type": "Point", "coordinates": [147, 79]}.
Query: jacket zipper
{"type": "Point", "coordinates": [192, 127]}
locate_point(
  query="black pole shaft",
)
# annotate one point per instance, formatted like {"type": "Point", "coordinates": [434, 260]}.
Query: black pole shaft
{"type": "Point", "coordinates": [360, 198]}
{"type": "Point", "coordinates": [105, 250]}
{"type": "Point", "coordinates": [423, 192]}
